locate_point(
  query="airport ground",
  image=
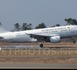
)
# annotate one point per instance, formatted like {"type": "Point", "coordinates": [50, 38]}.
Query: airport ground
{"type": "Point", "coordinates": [52, 55]}
{"type": "Point", "coordinates": [58, 53]}
{"type": "Point", "coordinates": [36, 57]}
{"type": "Point", "coordinates": [46, 44]}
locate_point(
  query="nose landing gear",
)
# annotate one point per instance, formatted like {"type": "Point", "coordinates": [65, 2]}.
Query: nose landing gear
{"type": "Point", "coordinates": [41, 45]}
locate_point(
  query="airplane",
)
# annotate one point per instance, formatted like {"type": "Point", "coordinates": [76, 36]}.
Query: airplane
{"type": "Point", "coordinates": [51, 34]}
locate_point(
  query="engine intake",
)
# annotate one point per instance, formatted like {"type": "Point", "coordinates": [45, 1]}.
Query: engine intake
{"type": "Point", "coordinates": [55, 39]}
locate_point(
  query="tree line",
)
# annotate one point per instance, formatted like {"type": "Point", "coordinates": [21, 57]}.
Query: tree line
{"type": "Point", "coordinates": [26, 26]}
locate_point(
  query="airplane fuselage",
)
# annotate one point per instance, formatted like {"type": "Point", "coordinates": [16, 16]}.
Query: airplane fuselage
{"type": "Point", "coordinates": [23, 36]}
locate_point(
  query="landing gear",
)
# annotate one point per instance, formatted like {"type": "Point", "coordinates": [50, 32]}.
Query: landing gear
{"type": "Point", "coordinates": [41, 45]}
{"type": "Point", "coordinates": [73, 40]}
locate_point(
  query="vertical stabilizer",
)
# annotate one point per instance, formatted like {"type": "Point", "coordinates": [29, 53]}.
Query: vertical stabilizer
{"type": "Point", "coordinates": [2, 30]}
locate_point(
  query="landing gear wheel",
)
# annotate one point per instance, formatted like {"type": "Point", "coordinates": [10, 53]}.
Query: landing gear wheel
{"type": "Point", "coordinates": [74, 41]}
{"type": "Point", "coordinates": [41, 45]}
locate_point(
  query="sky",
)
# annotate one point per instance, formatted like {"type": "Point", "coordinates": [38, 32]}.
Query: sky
{"type": "Point", "coordinates": [50, 12]}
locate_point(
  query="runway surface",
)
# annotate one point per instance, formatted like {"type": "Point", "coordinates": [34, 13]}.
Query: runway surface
{"type": "Point", "coordinates": [19, 47]}
{"type": "Point", "coordinates": [38, 66]}
{"type": "Point", "coordinates": [35, 47]}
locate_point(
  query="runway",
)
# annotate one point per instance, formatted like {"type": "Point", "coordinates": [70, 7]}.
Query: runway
{"type": "Point", "coordinates": [18, 47]}
{"type": "Point", "coordinates": [35, 48]}
{"type": "Point", "coordinates": [12, 47]}
{"type": "Point", "coordinates": [38, 66]}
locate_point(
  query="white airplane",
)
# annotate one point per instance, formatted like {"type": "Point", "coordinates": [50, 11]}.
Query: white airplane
{"type": "Point", "coordinates": [51, 34]}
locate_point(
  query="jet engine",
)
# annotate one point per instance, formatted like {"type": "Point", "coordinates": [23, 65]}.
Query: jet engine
{"type": "Point", "coordinates": [55, 39]}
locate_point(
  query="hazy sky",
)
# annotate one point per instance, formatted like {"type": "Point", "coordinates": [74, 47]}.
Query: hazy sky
{"type": "Point", "coordinates": [50, 12]}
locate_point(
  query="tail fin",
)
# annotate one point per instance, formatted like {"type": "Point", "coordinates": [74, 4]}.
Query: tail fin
{"type": "Point", "coordinates": [2, 30]}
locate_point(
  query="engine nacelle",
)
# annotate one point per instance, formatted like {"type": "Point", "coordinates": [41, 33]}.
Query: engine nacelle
{"type": "Point", "coordinates": [55, 39]}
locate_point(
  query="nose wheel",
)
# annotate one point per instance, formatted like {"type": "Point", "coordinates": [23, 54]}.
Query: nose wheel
{"type": "Point", "coordinates": [41, 45]}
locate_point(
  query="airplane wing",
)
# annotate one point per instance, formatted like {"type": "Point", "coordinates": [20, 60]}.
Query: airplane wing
{"type": "Point", "coordinates": [43, 37]}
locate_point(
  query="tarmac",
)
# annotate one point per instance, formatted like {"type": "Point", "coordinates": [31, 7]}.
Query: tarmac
{"type": "Point", "coordinates": [12, 47]}
{"type": "Point", "coordinates": [38, 66]}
